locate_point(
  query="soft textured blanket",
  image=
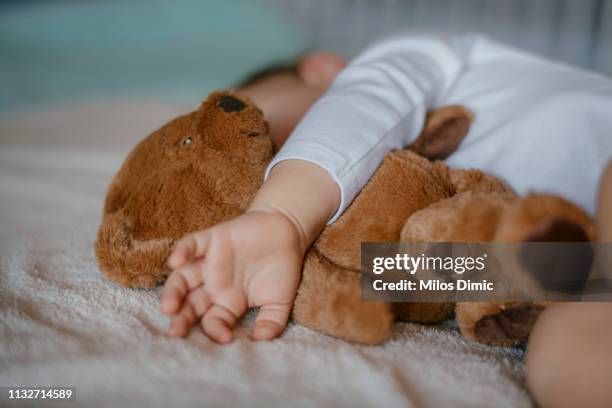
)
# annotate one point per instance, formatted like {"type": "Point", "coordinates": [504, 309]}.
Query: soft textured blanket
{"type": "Point", "coordinates": [63, 324]}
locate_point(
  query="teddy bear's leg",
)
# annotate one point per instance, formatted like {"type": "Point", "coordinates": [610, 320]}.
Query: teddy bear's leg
{"type": "Point", "coordinates": [486, 322]}
{"type": "Point", "coordinates": [447, 221]}
{"type": "Point", "coordinates": [329, 301]}
{"type": "Point", "coordinates": [498, 323]}
{"type": "Point", "coordinates": [444, 222]}
{"type": "Point", "coordinates": [498, 217]}
{"type": "Point", "coordinates": [535, 218]}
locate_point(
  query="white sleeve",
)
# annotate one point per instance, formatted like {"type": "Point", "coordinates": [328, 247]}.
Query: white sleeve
{"type": "Point", "coordinates": [376, 104]}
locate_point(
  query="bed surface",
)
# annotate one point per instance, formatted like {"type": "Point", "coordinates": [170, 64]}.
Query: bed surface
{"type": "Point", "coordinates": [63, 324]}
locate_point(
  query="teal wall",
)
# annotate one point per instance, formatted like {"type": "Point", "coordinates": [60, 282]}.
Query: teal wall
{"type": "Point", "coordinates": [67, 51]}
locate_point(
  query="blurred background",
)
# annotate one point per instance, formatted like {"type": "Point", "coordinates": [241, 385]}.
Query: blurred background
{"type": "Point", "coordinates": [68, 51]}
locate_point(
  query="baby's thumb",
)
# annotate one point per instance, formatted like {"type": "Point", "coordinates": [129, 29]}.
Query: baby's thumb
{"type": "Point", "coordinates": [271, 321]}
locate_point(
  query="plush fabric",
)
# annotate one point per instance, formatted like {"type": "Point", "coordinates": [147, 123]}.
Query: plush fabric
{"type": "Point", "coordinates": [62, 323]}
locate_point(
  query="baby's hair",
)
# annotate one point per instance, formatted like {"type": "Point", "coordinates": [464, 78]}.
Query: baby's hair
{"type": "Point", "coordinates": [289, 66]}
{"type": "Point", "coordinates": [273, 69]}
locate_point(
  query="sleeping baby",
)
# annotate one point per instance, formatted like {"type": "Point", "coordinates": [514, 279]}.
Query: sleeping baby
{"type": "Point", "coordinates": [540, 126]}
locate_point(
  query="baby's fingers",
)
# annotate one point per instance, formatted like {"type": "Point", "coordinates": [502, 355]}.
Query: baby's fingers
{"type": "Point", "coordinates": [271, 321]}
{"type": "Point", "coordinates": [196, 304]}
{"type": "Point", "coordinates": [218, 323]}
{"type": "Point", "coordinates": [193, 245]}
{"type": "Point", "coordinates": [178, 285]}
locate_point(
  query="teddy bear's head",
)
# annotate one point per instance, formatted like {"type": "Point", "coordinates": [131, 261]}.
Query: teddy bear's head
{"type": "Point", "coordinates": [194, 172]}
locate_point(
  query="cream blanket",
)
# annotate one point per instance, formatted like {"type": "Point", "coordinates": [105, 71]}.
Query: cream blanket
{"type": "Point", "coordinates": [63, 324]}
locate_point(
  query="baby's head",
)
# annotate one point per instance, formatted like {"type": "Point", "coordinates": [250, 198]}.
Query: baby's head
{"type": "Point", "coordinates": [286, 93]}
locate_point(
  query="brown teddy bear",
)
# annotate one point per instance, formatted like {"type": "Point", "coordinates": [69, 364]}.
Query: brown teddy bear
{"type": "Point", "coordinates": [204, 167]}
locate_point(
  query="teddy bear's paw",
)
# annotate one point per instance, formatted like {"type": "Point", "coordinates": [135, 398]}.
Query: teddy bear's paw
{"type": "Point", "coordinates": [329, 301]}
{"type": "Point", "coordinates": [362, 322]}
{"type": "Point", "coordinates": [509, 326]}
{"type": "Point", "coordinates": [344, 315]}
{"type": "Point", "coordinates": [127, 261]}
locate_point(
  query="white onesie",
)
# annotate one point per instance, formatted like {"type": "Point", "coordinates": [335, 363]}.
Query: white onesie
{"type": "Point", "coordinates": [540, 125]}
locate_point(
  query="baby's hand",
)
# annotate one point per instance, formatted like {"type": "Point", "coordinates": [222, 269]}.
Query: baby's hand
{"type": "Point", "coordinates": [254, 260]}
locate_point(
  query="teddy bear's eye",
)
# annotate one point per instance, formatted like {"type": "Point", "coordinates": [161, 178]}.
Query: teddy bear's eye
{"type": "Point", "coordinates": [187, 141]}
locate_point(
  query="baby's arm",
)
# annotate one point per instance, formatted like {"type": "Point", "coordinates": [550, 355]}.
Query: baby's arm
{"type": "Point", "coordinates": [377, 104]}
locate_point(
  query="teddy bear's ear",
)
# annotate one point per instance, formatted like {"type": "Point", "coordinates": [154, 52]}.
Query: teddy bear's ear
{"type": "Point", "coordinates": [229, 103]}
{"type": "Point", "coordinates": [226, 101]}
{"type": "Point", "coordinates": [444, 130]}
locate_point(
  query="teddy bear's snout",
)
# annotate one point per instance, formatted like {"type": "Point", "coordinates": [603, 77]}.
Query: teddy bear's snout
{"type": "Point", "coordinates": [230, 103]}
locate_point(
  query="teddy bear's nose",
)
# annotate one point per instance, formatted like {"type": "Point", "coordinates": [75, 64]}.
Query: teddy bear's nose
{"type": "Point", "coordinates": [230, 103]}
